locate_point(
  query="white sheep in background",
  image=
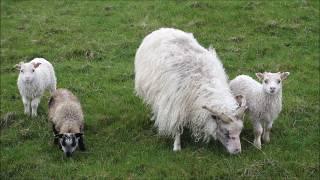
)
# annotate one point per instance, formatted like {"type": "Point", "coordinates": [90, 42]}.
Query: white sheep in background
{"type": "Point", "coordinates": [66, 116]}
{"type": "Point", "coordinates": [186, 86]}
{"type": "Point", "coordinates": [264, 100]}
{"type": "Point", "coordinates": [35, 77]}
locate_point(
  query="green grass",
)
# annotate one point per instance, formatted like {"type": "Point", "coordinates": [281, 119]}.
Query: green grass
{"type": "Point", "coordinates": [92, 46]}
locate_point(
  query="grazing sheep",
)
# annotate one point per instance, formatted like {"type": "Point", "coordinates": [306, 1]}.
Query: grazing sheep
{"type": "Point", "coordinates": [186, 86]}
{"type": "Point", "coordinates": [264, 100]}
{"type": "Point", "coordinates": [66, 115]}
{"type": "Point", "coordinates": [35, 77]}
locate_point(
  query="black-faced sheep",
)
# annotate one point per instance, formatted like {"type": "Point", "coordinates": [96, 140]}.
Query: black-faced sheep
{"type": "Point", "coordinates": [66, 116]}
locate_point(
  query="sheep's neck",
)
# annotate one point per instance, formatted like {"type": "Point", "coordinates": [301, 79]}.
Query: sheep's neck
{"type": "Point", "coordinates": [270, 100]}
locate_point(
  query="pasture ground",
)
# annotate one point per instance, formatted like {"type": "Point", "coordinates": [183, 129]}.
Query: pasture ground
{"type": "Point", "coordinates": [92, 46]}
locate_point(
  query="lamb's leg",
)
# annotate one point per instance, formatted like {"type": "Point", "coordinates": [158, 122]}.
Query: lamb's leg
{"type": "Point", "coordinates": [177, 143]}
{"type": "Point", "coordinates": [26, 104]}
{"type": "Point", "coordinates": [52, 88]}
{"type": "Point", "coordinates": [266, 133]}
{"type": "Point", "coordinates": [81, 144]}
{"type": "Point", "coordinates": [55, 132]}
{"type": "Point", "coordinates": [34, 106]}
{"type": "Point", "coordinates": [257, 129]}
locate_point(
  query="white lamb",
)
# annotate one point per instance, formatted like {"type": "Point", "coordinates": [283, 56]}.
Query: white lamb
{"type": "Point", "coordinates": [264, 100]}
{"type": "Point", "coordinates": [35, 77]}
{"type": "Point", "coordinates": [186, 86]}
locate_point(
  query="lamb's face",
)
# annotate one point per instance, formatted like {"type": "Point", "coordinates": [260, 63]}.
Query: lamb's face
{"type": "Point", "coordinates": [229, 135]}
{"type": "Point", "coordinates": [272, 82]}
{"type": "Point", "coordinates": [69, 143]}
{"type": "Point", "coordinates": [27, 71]}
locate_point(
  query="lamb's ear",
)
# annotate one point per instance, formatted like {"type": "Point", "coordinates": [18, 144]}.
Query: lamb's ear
{"type": "Point", "coordinates": [18, 66]}
{"type": "Point", "coordinates": [242, 106]}
{"type": "Point", "coordinates": [35, 65]}
{"type": "Point", "coordinates": [79, 135]}
{"type": "Point", "coordinates": [221, 116]}
{"type": "Point", "coordinates": [284, 75]}
{"type": "Point", "coordinates": [58, 135]}
{"type": "Point", "coordinates": [260, 76]}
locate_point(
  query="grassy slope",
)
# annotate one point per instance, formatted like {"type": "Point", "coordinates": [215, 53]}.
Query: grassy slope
{"type": "Point", "coordinates": [92, 47]}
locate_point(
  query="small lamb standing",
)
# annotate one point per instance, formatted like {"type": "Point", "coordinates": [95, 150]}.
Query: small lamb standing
{"type": "Point", "coordinates": [66, 116]}
{"type": "Point", "coordinates": [264, 101]}
{"type": "Point", "coordinates": [186, 86]}
{"type": "Point", "coordinates": [35, 77]}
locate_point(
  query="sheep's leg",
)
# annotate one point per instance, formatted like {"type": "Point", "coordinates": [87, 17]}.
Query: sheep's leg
{"type": "Point", "coordinates": [177, 143]}
{"type": "Point", "coordinates": [81, 144]}
{"type": "Point", "coordinates": [266, 133]}
{"type": "Point", "coordinates": [52, 89]}
{"type": "Point", "coordinates": [257, 129]}
{"type": "Point", "coordinates": [34, 106]}
{"type": "Point", "coordinates": [26, 104]}
{"type": "Point", "coordinates": [55, 132]}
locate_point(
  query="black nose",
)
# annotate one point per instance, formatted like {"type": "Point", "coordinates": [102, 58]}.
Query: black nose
{"type": "Point", "coordinates": [272, 88]}
{"type": "Point", "coordinates": [68, 154]}
{"type": "Point", "coordinates": [236, 151]}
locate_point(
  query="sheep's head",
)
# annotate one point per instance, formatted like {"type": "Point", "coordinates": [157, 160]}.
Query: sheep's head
{"type": "Point", "coordinates": [229, 126]}
{"type": "Point", "coordinates": [27, 71]}
{"type": "Point", "coordinates": [272, 82]}
{"type": "Point", "coordinates": [69, 142]}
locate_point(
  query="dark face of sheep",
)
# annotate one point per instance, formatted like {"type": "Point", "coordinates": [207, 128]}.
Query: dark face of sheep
{"type": "Point", "coordinates": [69, 142]}
{"type": "Point", "coordinates": [229, 127]}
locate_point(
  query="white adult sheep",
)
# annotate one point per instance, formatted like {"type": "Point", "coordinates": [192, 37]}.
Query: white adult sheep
{"type": "Point", "coordinates": [186, 86]}
{"type": "Point", "coordinates": [66, 116]}
{"type": "Point", "coordinates": [264, 100]}
{"type": "Point", "coordinates": [35, 77]}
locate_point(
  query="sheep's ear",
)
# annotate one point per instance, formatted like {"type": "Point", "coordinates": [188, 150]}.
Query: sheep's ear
{"type": "Point", "coordinates": [18, 66]}
{"type": "Point", "coordinates": [242, 106]}
{"type": "Point", "coordinates": [79, 135]}
{"type": "Point", "coordinates": [260, 76]}
{"type": "Point", "coordinates": [284, 75]}
{"type": "Point", "coordinates": [35, 65]}
{"type": "Point", "coordinates": [221, 116]}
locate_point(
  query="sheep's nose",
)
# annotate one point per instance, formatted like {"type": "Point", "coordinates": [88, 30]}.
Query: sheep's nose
{"type": "Point", "coordinates": [68, 154]}
{"type": "Point", "coordinates": [236, 151]}
{"type": "Point", "coordinates": [272, 88]}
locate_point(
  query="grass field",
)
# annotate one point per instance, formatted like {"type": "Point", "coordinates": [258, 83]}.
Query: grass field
{"type": "Point", "coordinates": [92, 46]}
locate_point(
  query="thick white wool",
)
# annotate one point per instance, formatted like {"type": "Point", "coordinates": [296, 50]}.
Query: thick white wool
{"type": "Point", "coordinates": [65, 112]}
{"type": "Point", "coordinates": [40, 75]}
{"type": "Point", "coordinates": [177, 76]}
{"type": "Point", "coordinates": [262, 106]}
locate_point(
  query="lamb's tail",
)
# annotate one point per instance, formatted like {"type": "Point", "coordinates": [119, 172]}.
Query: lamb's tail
{"type": "Point", "coordinates": [212, 50]}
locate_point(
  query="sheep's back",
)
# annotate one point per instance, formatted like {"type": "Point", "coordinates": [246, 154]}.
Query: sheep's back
{"type": "Point", "coordinates": [64, 106]}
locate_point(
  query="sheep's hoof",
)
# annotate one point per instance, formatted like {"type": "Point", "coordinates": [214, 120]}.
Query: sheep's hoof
{"type": "Point", "coordinates": [27, 113]}
{"type": "Point", "coordinates": [177, 149]}
{"type": "Point", "coordinates": [266, 139]}
{"type": "Point", "coordinates": [257, 145]}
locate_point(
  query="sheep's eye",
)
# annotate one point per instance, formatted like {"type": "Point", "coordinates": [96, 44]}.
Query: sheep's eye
{"type": "Point", "coordinates": [227, 135]}
{"type": "Point", "coordinates": [266, 81]}
{"type": "Point", "coordinates": [278, 81]}
{"type": "Point", "coordinates": [32, 70]}
{"type": "Point", "coordinates": [21, 71]}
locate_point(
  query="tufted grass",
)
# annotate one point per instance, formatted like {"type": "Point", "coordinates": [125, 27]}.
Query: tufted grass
{"type": "Point", "coordinates": [92, 46]}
